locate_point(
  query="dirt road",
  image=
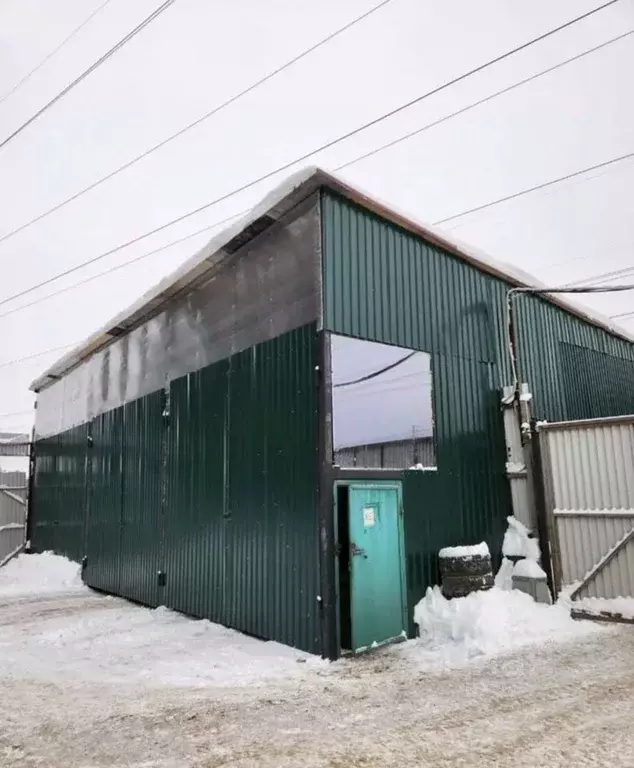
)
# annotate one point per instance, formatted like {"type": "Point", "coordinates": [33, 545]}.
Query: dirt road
{"type": "Point", "coordinates": [557, 705]}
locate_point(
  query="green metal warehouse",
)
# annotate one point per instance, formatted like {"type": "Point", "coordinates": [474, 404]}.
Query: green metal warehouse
{"type": "Point", "coordinates": [282, 434]}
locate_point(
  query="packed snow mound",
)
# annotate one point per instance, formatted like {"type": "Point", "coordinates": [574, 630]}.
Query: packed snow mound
{"type": "Point", "coordinates": [518, 543]}
{"type": "Point", "coordinates": [529, 569]}
{"type": "Point", "coordinates": [477, 550]}
{"type": "Point", "coordinates": [488, 624]}
{"type": "Point", "coordinates": [504, 577]}
{"type": "Point", "coordinates": [38, 574]}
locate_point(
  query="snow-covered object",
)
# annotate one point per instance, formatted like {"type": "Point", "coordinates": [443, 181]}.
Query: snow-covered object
{"type": "Point", "coordinates": [504, 577]}
{"type": "Point", "coordinates": [616, 606]}
{"type": "Point", "coordinates": [487, 624]}
{"type": "Point", "coordinates": [528, 569]}
{"type": "Point", "coordinates": [477, 550]}
{"type": "Point", "coordinates": [38, 574]}
{"type": "Point", "coordinates": [517, 542]}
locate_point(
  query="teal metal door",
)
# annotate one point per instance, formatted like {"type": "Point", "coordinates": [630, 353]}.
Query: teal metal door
{"type": "Point", "coordinates": [377, 590]}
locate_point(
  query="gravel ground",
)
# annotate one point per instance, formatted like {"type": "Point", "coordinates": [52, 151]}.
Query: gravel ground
{"type": "Point", "coordinates": [556, 705]}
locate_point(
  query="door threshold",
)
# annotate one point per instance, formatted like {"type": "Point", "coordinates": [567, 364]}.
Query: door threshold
{"type": "Point", "coordinates": [375, 646]}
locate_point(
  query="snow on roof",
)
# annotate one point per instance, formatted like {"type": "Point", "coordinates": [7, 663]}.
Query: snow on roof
{"type": "Point", "coordinates": [274, 205]}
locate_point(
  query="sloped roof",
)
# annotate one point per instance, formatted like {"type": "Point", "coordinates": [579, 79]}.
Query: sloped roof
{"type": "Point", "coordinates": [277, 203]}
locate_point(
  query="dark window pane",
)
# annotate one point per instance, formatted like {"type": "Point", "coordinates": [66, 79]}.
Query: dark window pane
{"type": "Point", "coordinates": [382, 405]}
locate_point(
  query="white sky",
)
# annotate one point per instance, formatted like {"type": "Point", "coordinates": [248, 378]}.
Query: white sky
{"type": "Point", "coordinates": [198, 53]}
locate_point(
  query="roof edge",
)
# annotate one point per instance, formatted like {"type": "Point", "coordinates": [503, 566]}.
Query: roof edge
{"type": "Point", "coordinates": [274, 205]}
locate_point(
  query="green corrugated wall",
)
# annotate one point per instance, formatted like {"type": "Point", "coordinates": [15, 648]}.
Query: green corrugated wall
{"type": "Point", "coordinates": [241, 528]}
{"type": "Point", "coordinates": [214, 485]}
{"type": "Point", "coordinates": [59, 493]}
{"type": "Point", "coordinates": [385, 284]}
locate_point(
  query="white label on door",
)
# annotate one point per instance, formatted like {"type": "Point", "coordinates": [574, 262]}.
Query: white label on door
{"type": "Point", "coordinates": [368, 517]}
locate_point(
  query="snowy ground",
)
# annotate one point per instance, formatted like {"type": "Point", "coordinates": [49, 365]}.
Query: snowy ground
{"type": "Point", "coordinates": [89, 680]}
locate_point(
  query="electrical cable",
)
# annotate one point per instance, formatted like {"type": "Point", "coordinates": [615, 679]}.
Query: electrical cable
{"type": "Point", "coordinates": [625, 272]}
{"type": "Point", "coordinates": [621, 315]}
{"type": "Point", "coordinates": [37, 354]}
{"type": "Point", "coordinates": [537, 187]}
{"type": "Point", "coordinates": [307, 155]}
{"type": "Point", "coordinates": [374, 374]}
{"type": "Point", "coordinates": [196, 122]}
{"type": "Point", "coordinates": [110, 270]}
{"type": "Point", "coordinates": [338, 168]}
{"type": "Point", "coordinates": [484, 100]}
{"type": "Point", "coordinates": [15, 413]}
{"type": "Point", "coordinates": [50, 55]}
{"type": "Point", "coordinates": [101, 60]}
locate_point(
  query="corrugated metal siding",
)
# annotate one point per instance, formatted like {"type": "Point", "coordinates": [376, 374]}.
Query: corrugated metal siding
{"type": "Point", "coordinates": [571, 366]}
{"type": "Point", "coordinates": [386, 285]}
{"type": "Point", "coordinates": [103, 538]}
{"type": "Point", "coordinates": [141, 512]}
{"type": "Point", "coordinates": [59, 493]}
{"type": "Point", "coordinates": [592, 467]}
{"type": "Point", "coordinates": [402, 454]}
{"type": "Point", "coordinates": [195, 549]}
{"type": "Point", "coordinates": [590, 482]}
{"type": "Point", "coordinates": [241, 525]}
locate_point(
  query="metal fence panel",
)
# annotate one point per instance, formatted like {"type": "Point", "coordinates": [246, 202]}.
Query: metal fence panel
{"type": "Point", "coordinates": [589, 481]}
{"type": "Point", "coordinates": [13, 488]}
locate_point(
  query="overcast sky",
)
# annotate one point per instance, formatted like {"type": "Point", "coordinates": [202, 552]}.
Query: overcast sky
{"type": "Point", "coordinates": [200, 52]}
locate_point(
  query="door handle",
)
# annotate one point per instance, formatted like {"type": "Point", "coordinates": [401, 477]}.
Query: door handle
{"type": "Point", "coordinates": [354, 550]}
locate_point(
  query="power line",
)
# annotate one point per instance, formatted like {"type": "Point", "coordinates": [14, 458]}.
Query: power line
{"type": "Point", "coordinates": [15, 413]}
{"type": "Point", "coordinates": [71, 270]}
{"type": "Point", "coordinates": [621, 315]}
{"type": "Point", "coordinates": [605, 276]}
{"type": "Point", "coordinates": [374, 374]}
{"type": "Point", "coordinates": [307, 155]}
{"type": "Point", "coordinates": [537, 187]}
{"type": "Point", "coordinates": [50, 55]}
{"type": "Point", "coordinates": [89, 71]}
{"type": "Point", "coordinates": [118, 266]}
{"type": "Point", "coordinates": [360, 158]}
{"type": "Point", "coordinates": [198, 121]}
{"type": "Point", "coordinates": [37, 354]}
{"type": "Point", "coordinates": [486, 99]}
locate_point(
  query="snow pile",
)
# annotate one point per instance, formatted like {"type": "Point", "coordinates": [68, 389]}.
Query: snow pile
{"type": "Point", "coordinates": [487, 624]}
{"type": "Point", "coordinates": [100, 639]}
{"type": "Point", "coordinates": [528, 569]}
{"type": "Point", "coordinates": [518, 543]}
{"type": "Point", "coordinates": [478, 550]}
{"type": "Point", "coordinates": [616, 606]}
{"type": "Point", "coordinates": [504, 577]}
{"type": "Point", "coordinates": [74, 633]}
{"type": "Point", "coordinates": [38, 574]}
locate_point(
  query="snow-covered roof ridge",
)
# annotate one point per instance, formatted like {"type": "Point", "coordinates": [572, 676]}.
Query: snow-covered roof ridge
{"type": "Point", "coordinates": [275, 204]}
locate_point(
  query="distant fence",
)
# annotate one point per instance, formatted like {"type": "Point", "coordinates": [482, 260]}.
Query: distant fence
{"type": "Point", "coordinates": [13, 497]}
{"type": "Point", "coordinates": [398, 454]}
{"type": "Point", "coordinates": [13, 491]}
{"type": "Point", "coordinates": [588, 473]}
